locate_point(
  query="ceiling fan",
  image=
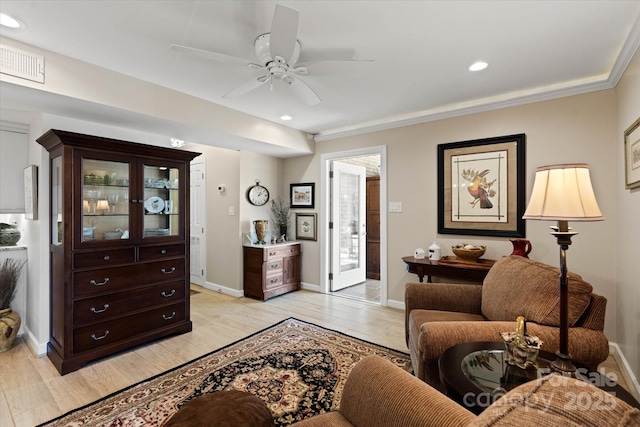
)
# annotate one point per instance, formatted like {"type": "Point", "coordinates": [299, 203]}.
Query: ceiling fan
{"type": "Point", "coordinates": [278, 53]}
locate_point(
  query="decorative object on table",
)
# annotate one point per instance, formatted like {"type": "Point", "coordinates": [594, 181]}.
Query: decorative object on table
{"type": "Point", "coordinates": [521, 247]}
{"type": "Point", "coordinates": [9, 234]}
{"type": "Point", "coordinates": [302, 195]}
{"type": "Point", "coordinates": [563, 193]}
{"type": "Point", "coordinates": [257, 195]}
{"type": "Point", "coordinates": [434, 252]}
{"type": "Point", "coordinates": [261, 230]}
{"type": "Point", "coordinates": [467, 252]}
{"type": "Point", "coordinates": [306, 226]}
{"type": "Point", "coordinates": [632, 156]}
{"type": "Point", "coordinates": [419, 253]}
{"type": "Point", "coordinates": [31, 192]}
{"type": "Point", "coordinates": [481, 187]}
{"type": "Point", "coordinates": [522, 348]}
{"type": "Point", "coordinates": [281, 214]}
{"type": "Point", "coordinates": [9, 320]}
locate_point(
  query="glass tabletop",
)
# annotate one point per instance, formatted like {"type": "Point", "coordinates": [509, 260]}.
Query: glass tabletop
{"type": "Point", "coordinates": [489, 370]}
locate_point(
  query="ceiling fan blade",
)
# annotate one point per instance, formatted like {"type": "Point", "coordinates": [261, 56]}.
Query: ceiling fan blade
{"type": "Point", "coordinates": [284, 32]}
{"type": "Point", "coordinates": [303, 91]}
{"type": "Point", "coordinates": [337, 67]}
{"type": "Point", "coordinates": [247, 87]}
{"type": "Point", "coordinates": [210, 55]}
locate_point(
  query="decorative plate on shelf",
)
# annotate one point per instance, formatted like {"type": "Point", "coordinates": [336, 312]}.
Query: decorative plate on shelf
{"type": "Point", "coordinates": [154, 204]}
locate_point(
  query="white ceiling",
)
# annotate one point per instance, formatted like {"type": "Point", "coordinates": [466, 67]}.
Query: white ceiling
{"type": "Point", "coordinates": [535, 49]}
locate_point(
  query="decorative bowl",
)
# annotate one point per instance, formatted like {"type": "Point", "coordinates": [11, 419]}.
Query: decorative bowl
{"type": "Point", "coordinates": [469, 253]}
{"type": "Point", "coordinates": [9, 234]}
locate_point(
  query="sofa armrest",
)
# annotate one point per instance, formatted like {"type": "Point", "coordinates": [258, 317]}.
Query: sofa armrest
{"type": "Point", "coordinates": [378, 393]}
{"type": "Point", "coordinates": [441, 296]}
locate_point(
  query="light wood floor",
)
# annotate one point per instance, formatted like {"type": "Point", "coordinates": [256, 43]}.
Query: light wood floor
{"type": "Point", "coordinates": [32, 391]}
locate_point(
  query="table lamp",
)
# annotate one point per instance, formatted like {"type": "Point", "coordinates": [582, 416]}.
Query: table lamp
{"type": "Point", "coordinates": [102, 205]}
{"type": "Point", "coordinates": [563, 193]}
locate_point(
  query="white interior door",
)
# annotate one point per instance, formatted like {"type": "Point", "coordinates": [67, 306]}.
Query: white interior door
{"type": "Point", "coordinates": [349, 225]}
{"type": "Point", "coordinates": [198, 216]}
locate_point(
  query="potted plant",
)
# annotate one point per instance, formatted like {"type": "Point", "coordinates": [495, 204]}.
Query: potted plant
{"type": "Point", "coordinates": [281, 214]}
{"type": "Point", "coordinates": [9, 320]}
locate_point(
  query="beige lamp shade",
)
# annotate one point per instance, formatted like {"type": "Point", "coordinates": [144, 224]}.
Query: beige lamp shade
{"type": "Point", "coordinates": [102, 205]}
{"type": "Point", "coordinates": [563, 193]}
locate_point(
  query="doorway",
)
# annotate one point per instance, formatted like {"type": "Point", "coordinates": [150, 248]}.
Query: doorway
{"type": "Point", "coordinates": [355, 240]}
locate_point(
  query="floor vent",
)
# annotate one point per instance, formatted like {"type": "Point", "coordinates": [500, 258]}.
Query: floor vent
{"type": "Point", "coordinates": [22, 64]}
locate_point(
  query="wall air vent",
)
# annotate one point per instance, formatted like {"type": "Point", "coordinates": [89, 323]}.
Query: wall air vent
{"type": "Point", "coordinates": [22, 64]}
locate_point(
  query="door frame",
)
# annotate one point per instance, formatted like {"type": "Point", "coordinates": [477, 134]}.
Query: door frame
{"type": "Point", "coordinates": [325, 193]}
{"type": "Point", "coordinates": [201, 159]}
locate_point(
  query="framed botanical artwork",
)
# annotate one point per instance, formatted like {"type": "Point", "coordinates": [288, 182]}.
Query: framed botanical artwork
{"type": "Point", "coordinates": [632, 155]}
{"type": "Point", "coordinates": [306, 226]}
{"type": "Point", "coordinates": [481, 187]}
{"type": "Point", "coordinates": [302, 195]}
{"type": "Point", "coordinates": [31, 192]}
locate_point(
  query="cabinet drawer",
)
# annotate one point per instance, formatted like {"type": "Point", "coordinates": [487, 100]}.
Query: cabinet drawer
{"type": "Point", "coordinates": [92, 282]}
{"type": "Point", "coordinates": [104, 258]}
{"type": "Point", "coordinates": [91, 337]}
{"type": "Point", "coordinates": [162, 251]}
{"type": "Point", "coordinates": [282, 251]}
{"type": "Point", "coordinates": [98, 309]}
{"type": "Point", "coordinates": [273, 281]}
{"type": "Point", "coordinates": [274, 265]}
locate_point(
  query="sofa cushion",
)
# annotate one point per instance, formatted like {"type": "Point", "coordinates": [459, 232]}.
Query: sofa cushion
{"type": "Point", "coordinates": [517, 286]}
{"type": "Point", "coordinates": [558, 401]}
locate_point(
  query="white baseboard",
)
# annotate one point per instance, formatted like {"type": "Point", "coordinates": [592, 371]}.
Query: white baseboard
{"type": "Point", "coordinates": [310, 287]}
{"type": "Point", "coordinates": [625, 369]}
{"type": "Point", "coordinates": [223, 289]}
{"type": "Point", "coordinates": [40, 349]}
{"type": "Point", "coordinates": [399, 305]}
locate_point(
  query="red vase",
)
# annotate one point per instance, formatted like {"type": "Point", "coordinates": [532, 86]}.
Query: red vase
{"type": "Point", "coordinates": [521, 247]}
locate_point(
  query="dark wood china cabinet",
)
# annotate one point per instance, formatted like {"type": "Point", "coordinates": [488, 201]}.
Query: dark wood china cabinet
{"type": "Point", "coordinates": [119, 217]}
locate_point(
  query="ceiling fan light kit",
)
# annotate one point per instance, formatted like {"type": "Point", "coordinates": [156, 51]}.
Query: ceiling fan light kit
{"type": "Point", "coordinates": [278, 53]}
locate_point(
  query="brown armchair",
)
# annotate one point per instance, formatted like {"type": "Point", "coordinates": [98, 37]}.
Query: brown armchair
{"type": "Point", "coordinates": [439, 316]}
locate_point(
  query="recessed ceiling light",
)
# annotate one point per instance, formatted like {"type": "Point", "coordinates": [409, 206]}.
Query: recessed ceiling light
{"type": "Point", "coordinates": [8, 21]}
{"type": "Point", "coordinates": [477, 66]}
{"type": "Point", "coordinates": [285, 117]}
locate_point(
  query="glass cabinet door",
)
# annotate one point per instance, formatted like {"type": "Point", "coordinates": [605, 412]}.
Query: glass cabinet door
{"type": "Point", "coordinates": [161, 200]}
{"type": "Point", "coordinates": [105, 200]}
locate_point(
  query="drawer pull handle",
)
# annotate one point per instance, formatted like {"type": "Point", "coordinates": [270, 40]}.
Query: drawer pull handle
{"type": "Point", "coordinates": [165, 317]}
{"type": "Point", "coordinates": [274, 265]}
{"type": "Point", "coordinates": [274, 280]}
{"type": "Point", "coordinates": [100, 338]}
{"type": "Point", "coordinates": [104, 282]}
{"type": "Point", "coordinates": [106, 258]}
{"type": "Point", "coordinates": [272, 253]}
{"type": "Point", "coordinates": [102, 310]}
{"type": "Point", "coordinates": [166, 295]}
{"type": "Point", "coordinates": [164, 251]}
{"type": "Point", "coordinates": [164, 270]}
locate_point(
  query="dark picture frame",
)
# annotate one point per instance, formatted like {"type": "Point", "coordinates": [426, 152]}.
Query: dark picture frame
{"type": "Point", "coordinates": [632, 156]}
{"type": "Point", "coordinates": [481, 187]}
{"type": "Point", "coordinates": [302, 195]}
{"type": "Point", "coordinates": [306, 226]}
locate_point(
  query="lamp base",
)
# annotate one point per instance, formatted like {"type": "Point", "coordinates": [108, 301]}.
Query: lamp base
{"type": "Point", "coordinates": [563, 363]}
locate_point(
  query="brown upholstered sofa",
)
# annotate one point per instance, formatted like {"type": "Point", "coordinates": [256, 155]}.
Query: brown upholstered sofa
{"type": "Point", "coordinates": [439, 316]}
{"type": "Point", "coordinates": [379, 394]}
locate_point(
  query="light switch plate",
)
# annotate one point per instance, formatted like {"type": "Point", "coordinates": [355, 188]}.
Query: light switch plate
{"type": "Point", "coordinates": [395, 206]}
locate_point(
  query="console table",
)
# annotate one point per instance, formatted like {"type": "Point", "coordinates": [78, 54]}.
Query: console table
{"type": "Point", "coordinates": [449, 266]}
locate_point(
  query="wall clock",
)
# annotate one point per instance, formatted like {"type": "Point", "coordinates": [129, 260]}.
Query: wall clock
{"type": "Point", "coordinates": [257, 194]}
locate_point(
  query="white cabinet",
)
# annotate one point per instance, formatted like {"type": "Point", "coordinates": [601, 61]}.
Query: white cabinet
{"type": "Point", "coordinates": [14, 157]}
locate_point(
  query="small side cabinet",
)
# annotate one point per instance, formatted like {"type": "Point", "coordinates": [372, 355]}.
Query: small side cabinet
{"type": "Point", "coordinates": [271, 270]}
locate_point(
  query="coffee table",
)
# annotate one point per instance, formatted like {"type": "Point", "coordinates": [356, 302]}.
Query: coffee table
{"type": "Point", "coordinates": [477, 373]}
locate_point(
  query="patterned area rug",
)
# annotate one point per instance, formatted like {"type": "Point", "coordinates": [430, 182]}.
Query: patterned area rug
{"type": "Point", "coordinates": [298, 369]}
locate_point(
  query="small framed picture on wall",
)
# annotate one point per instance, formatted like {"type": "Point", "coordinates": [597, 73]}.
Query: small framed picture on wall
{"type": "Point", "coordinates": [303, 195]}
{"type": "Point", "coordinates": [306, 226]}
